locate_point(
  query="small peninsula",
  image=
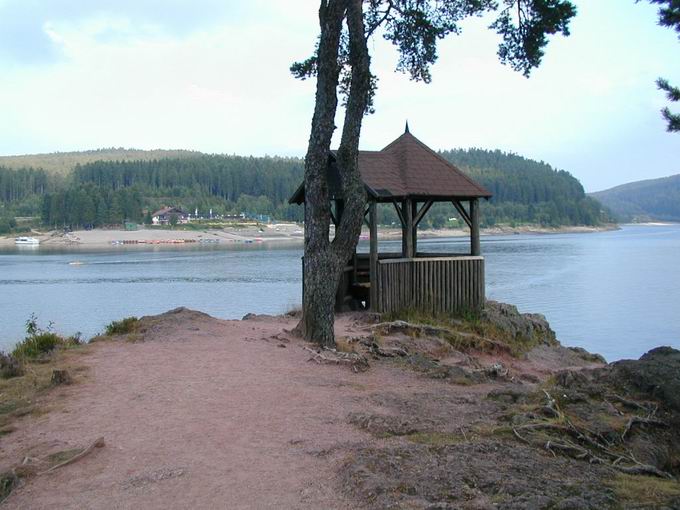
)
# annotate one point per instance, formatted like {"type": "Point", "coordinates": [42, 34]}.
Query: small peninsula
{"type": "Point", "coordinates": [182, 409]}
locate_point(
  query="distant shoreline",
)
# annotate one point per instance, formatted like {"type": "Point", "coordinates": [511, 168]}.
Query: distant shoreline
{"type": "Point", "coordinates": [272, 233]}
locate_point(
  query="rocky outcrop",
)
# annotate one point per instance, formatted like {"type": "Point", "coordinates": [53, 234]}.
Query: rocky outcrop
{"type": "Point", "coordinates": [510, 321]}
{"type": "Point", "coordinates": [655, 375]}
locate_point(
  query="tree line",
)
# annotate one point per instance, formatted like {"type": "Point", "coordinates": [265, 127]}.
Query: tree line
{"type": "Point", "coordinates": [527, 191]}
{"type": "Point", "coordinates": [108, 192]}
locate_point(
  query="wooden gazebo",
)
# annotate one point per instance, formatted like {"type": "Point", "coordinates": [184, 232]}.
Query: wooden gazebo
{"type": "Point", "coordinates": [412, 177]}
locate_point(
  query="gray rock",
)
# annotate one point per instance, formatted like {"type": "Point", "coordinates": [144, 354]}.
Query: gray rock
{"type": "Point", "coordinates": [519, 325]}
{"type": "Point", "coordinates": [656, 374]}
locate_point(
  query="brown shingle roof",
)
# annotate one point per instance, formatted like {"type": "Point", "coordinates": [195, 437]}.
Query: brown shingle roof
{"type": "Point", "coordinates": [407, 168]}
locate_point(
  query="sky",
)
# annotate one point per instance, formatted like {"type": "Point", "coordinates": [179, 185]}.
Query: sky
{"type": "Point", "coordinates": [213, 76]}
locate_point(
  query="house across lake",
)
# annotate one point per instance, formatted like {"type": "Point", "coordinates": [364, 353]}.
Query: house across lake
{"type": "Point", "coordinates": [163, 216]}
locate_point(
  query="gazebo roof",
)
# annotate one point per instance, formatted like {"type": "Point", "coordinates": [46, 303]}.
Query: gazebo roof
{"type": "Point", "coordinates": [406, 168]}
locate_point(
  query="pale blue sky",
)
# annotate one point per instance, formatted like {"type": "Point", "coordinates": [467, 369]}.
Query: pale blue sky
{"type": "Point", "coordinates": [212, 75]}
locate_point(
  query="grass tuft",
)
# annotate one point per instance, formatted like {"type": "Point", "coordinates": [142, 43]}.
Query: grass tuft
{"type": "Point", "coordinates": [122, 327]}
{"type": "Point", "coordinates": [645, 490]}
{"type": "Point", "coordinates": [37, 345]}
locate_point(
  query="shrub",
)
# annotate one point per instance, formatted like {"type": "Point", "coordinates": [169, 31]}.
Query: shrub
{"type": "Point", "coordinates": [122, 327]}
{"type": "Point", "coordinates": [38, 344]}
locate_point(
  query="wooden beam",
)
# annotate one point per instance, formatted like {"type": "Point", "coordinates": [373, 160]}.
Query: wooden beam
{"type": "Point", "coordinates": [475, 247]}
{"type": "Point", "coordinates": [464, 214]}
{"type": "Point", "coordinates": [373, 252]}
{"type": "Point", "coordinates": [423, 211]}
{"type": "Point", "coordinates": [368, 210]}
{"type": "Point", "coordinates": [398, 209]}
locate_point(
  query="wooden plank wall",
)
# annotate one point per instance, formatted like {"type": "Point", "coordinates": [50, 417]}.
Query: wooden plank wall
{"type": "Point", "coordinates": [434, 285]}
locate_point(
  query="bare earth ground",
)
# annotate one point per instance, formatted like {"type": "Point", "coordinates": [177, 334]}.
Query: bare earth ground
{"type": "Point", "coordinates": [206, 413]}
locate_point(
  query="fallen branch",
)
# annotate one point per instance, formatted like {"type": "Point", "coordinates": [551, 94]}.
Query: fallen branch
{"type": "Point", "coordinates": [643, 469]}
{"type": "Point", "coordinates": [98, 443]}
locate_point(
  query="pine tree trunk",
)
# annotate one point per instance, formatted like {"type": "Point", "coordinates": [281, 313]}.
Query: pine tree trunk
{"type": "Point", "coordinates": [325, 261]}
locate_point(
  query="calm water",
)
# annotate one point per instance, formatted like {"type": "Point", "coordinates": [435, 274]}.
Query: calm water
{"type": "Point", "coordinates": [616, 293]}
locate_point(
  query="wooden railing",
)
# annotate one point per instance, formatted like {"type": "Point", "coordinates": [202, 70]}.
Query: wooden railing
{"type": "Point", "coordinates": [435, 285]}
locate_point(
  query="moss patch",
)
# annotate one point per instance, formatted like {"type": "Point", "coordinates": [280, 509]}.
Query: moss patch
{"type": "Point", "coordinates": [437, 438]}
{"type": "Point", "coordinates": [645, 490]}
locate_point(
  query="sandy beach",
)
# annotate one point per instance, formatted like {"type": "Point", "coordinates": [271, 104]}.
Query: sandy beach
{"type": "Point", "coordinates": [270, 233]}
{"type": "Point", "coordinates": [101, 238]}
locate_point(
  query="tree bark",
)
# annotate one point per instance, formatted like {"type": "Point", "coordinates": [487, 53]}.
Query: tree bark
{"type": "Point", "coordinates": [325, 261]}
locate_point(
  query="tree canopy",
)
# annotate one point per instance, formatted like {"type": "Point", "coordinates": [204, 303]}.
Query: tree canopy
{"type": "Point", "coordinates": [669, 16]}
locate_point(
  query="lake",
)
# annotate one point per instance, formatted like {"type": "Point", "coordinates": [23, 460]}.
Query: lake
{"type": "Point", "coordinates": [616, 293]}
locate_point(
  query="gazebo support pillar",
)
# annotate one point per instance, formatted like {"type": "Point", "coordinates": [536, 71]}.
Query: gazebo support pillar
{"type": "Point", "coordinates": [373, 254]}
{"type": "Point", "coordinates": [475, 248]}
{"type": "Point", "coordinates": [414, 227]}
{"type": "Point", "coordinates": [408, 234]}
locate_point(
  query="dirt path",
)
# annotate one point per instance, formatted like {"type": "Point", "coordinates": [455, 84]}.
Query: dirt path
{"type": "Point", "coordinates": [203, 414]}
{"type": "Point", "coordinates": [206, 413]}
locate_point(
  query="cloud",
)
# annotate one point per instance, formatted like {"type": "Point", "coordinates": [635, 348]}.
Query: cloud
{"type": "Point", "coordinates": [25, 24]}
{"type": "Point", "coordinates": [213, 76]}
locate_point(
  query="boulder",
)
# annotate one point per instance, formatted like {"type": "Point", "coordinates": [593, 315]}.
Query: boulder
{"type": "Point", "coordinates": [507, 318]}
{"type": "Point", "coordinates": [656, 375]}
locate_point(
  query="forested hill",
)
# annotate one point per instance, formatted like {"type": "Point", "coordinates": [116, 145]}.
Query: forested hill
{"type": "Point", "coordinates": [653, 199]}
{"type": "Point", "coordinates": [62, 163]}
{"type": "Point", "coordinates": [527, 191]}
{"type": "Point", "coordinates": [104, 192]}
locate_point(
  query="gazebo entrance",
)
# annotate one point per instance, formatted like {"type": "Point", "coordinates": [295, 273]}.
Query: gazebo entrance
{"type": "Point", "coordinates": [411, 177]}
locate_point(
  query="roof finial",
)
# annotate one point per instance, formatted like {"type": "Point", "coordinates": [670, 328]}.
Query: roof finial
{"type": "Point", "coordinates": [406, 130]}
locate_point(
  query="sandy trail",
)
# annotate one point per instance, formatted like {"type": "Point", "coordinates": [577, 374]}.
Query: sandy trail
{"type": "Point", "coordinates": [204, 414]}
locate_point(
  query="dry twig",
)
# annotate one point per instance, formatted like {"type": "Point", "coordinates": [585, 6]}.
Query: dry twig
{"type": "Point", "coordinates": [98, 443]}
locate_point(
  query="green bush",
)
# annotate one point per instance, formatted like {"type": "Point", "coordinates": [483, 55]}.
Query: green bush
{"type": "Point", "coordinates": [38, 344]}
{"type": "Point", "coordinates": [122, 327]}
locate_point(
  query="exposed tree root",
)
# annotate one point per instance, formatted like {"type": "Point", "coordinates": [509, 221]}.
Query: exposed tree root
{"type": "Point", "coordinates": [587, 445]}
{"type": "Point", "coordinates": [642, 421]}
{"type": "Point", "coordinates": [408, 327]}
{"type": "Point", "coordinates": [325, 355]}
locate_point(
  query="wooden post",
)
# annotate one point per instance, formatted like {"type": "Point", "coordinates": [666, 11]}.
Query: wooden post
{"type": "Point", "coordinates": [414, 214]}
{"type": "Point", "coordinates": [409, 235]}
{"type": "Point", "coordinates": [404, 228]}
{"type": "Point", "coordinates": [475, 248]}
{"type": "Point", "coordinates": [373, 247]}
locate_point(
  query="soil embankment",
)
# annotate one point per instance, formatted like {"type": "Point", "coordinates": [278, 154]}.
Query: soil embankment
{"type": "Point", "coordinates": [197, 412]}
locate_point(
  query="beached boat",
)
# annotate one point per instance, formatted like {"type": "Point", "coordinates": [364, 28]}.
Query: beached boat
{"type": "Point", "coordinates": [26, 240]}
